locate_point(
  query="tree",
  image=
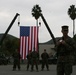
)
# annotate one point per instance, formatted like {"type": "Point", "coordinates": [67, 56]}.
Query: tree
{"type": "Point", "coordinates": [36, 12]}
{"type": "Point", "coordinates": [9, 45]}
{"type": "Point", "coordinates": [72, 14]}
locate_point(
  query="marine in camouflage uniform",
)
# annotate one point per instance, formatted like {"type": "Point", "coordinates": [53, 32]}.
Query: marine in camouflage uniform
{"type": "Point", "coordinates": [34, 60]}
{"type": "Point", "coordinates": [28, 60]}
{"type": "Point", "coordinates": [65, 49]}
{"type": "Point", "coordinates": [44, 57]}
{"type": "Point", "coordinates": [16, 58]}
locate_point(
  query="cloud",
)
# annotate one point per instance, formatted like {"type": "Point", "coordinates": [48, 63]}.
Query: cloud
{"type": "Point", "coordinates": [54, 11]}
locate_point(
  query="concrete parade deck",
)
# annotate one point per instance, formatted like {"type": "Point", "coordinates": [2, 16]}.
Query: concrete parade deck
{"type": "Point", "coordinates": [7, 70]}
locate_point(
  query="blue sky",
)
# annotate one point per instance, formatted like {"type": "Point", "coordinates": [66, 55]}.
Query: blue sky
{"type": "Point", "coordinates": [54, 11]}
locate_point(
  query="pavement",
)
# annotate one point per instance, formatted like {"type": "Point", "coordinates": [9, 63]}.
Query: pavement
{"type": "Point", "coordinates": [7, 70]}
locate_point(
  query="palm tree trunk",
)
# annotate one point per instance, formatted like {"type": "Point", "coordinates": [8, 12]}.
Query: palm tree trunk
{"type": "Point", "coordinates": [37, 30]}
{"type": "Point", "coordinates": [37, 22]}
{"type": "Point", "coordinates": [51, 34]}
{"type": "Point", "coordinates": [73, 27]}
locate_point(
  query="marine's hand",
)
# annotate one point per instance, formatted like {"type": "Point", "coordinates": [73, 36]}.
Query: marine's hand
{"type": "Point", "coordinates": [58, 43]}
{"type": "Point", "coordinates": [63, 42]}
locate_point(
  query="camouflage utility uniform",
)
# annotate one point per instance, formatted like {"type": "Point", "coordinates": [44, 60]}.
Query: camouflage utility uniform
{"type": "Point", "coordinates": [45, 57]}
{"type": "Point", "coordinates": [65, 57]}
{"type": "Point", "coordinates": [28, 60]}
{"type": "Point", "coordinates": [34, 60]}
{"type": "Point", "coordinates": [16, 62]}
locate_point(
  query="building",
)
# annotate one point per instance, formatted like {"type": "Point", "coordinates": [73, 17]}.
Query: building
{"type": "Point", "coordinates": [49, 48]}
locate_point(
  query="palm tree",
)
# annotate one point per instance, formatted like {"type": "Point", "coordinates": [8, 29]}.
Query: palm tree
{"type": "Point", "coordinates": [36, 12]}
{"type": "Point", "coordinates": [72, 14]}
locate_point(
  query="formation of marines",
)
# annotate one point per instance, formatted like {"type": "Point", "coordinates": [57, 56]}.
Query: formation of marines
{"type": "Point", "coordinates": [33, 59]}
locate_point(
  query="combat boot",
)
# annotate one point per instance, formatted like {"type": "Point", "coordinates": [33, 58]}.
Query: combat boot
{"type": "Point", "coordinates": [14, 69]}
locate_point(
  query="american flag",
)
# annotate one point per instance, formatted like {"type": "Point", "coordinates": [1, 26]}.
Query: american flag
{"type": "Point", "coordinates": [28, 39]}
